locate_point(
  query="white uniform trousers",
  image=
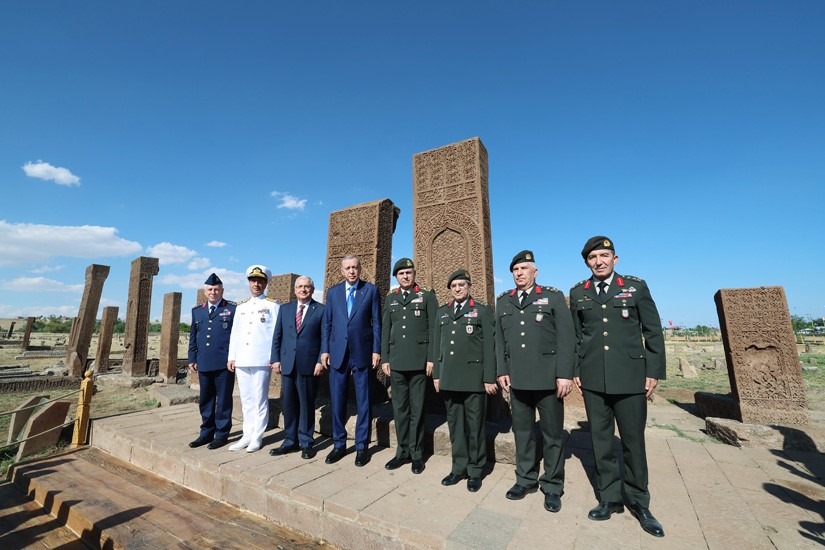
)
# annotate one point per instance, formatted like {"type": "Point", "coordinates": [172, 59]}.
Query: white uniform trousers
{"type": "Point", "coordinates": [253, 383]}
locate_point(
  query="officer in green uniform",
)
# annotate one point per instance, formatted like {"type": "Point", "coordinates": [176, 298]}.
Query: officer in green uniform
{"type": "Point", "coordinates": [465, 372]}
{"type": "Point", "coordinates": [409, 318]}
{"type": "Point", "coordinates": [534, 351]}
{"type": "Point", "coordinates": [620, 354]}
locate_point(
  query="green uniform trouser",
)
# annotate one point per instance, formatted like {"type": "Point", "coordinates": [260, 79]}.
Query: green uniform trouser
{"type": "Point", "coordinates": [408, 409]}
{"type": "Point", "coordinates": [630, 414]}
{"type": "Point", "coordinates": [551, 421]}
{"type": "Point", "coordinates": [465, 417]}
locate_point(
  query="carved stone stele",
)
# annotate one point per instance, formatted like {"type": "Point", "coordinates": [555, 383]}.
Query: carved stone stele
{"type": "Point", "coordinates": [451, 218]}
{"type": "Point", "coordinates": [760, 348]}
{"type": "Point", "coordinates": [137, 315]}
{"type": "Point", "coordinates": [81, 337]}
{"type": "Point", "coordinates": [282, 287]}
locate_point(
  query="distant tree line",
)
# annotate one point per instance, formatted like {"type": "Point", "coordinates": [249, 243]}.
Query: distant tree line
{"type": "Point", "coordinates": [63, 325]}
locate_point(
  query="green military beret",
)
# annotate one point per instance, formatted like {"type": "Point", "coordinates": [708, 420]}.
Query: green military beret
{"type": "Point", "coordinates": [523, 256]}
{"type": "Point", "coordinates": [459, 274]}
{"type": "Point", "coordinates": [600, 242]}
{"type": "Point", "coordinates": [403, 263]}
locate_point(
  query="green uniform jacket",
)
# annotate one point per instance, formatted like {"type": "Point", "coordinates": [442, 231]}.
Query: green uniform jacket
{"type": "Point", "coordinates": [611, 355]}
{"type": "Point", "coordinates": [534, 342]}
{"type": "Point", "coordinates": [406, 328]}
{"type": "Point", "coordinates": [464, 347]}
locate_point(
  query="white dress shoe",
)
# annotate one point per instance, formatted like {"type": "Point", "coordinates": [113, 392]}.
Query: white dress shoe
{"type": "Point", "coordinates": [253, 447]}
{"type": "Point", "coordinates": [239, 445]}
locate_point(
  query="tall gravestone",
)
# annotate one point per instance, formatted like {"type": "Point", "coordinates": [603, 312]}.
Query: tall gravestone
{"type": "Point", "coordinates": [27, 333]}
{"type": "Point", "coordinates": [451, 217]}
{"type": "Point", "coordinates": [282, 287]}
{"type": "Point", "coordinates": [104, 339]}
{"type": "Point", "coordinates": [11, 329]}
{"type": "Point", "coordinates": [137, 315]}
{"type": "Point", "coordinates": [760, 348]}
{"type": "Point", "coordinates": [364, 230]}
{"type": "Point", "coordinates": [201, 297]}
{"type": "Point", "coordinates": [81, 337]}
{"type": "Point", "coordinates": [169, 332]}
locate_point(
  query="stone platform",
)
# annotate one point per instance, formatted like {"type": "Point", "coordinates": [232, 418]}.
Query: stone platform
{"type": "Point", "coordinates": [706, 494]}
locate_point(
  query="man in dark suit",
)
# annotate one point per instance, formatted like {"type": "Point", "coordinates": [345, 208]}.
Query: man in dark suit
{"type": "Point", "coordinates": [208, 350]}
{"type": "Point", "coordinates": [464, 373]}
{"type": "Point", "coordinates": [621, 358]}
{"type": "Point", "coordinates": [534, 348]}
{"type": "Point", "coordinates": [408, 321]}
{"type": "Point", "coordinates": [296, 356]}
{"type": "Point", "coordinates": [350, 345]}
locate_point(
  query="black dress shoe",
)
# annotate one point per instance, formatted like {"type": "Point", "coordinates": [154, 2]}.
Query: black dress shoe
{"type": "Point", "coordinates": [336, 454]}
{"type": "Point", "coordinates": [552, 502]}
{"type": "Point", "coordinates": [361, 457]}
{"type": "Point", "coordinates": [307, 453]}
{"type": "Point", "coordinates": [283, 450]}
{"type": "Point", "coordinates": [396, 463]}
{"type": "Point", "coordinates": [417, 466]}
{"type": "Point", "coordinates": [518, 492]}
{"type": "Point", "coordinates": [646, 520]}
{"type": "Point", "coordinates": [200, 442]}
{"type": "Point", "coordinates": [604, 510]}
{"type": "Point", "coordinates": [473, 484]}
{"type": "Point", "coordinates": [452, 479]}
{"type": "Point", "coordinates": [217, 443]}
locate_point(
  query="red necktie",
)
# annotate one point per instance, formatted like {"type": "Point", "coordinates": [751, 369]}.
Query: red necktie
{"type": "Point", "coordinates": [299, 317]}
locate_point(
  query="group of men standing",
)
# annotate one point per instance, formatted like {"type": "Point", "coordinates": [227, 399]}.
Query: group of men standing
{"type": "Point", "coordinates": [607, 344]}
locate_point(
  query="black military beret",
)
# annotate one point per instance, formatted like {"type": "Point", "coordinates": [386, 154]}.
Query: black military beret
{"type": "Point", "coordinates": [523, 256]}
{"type": "Point", "coordinates": [403, 263]}
{"type": "Point", "coordinates": [459, 274]}
{"type": "Point", "coordinates": [213, 280]}
{"type": "Point", "coordinates": [599, 242]}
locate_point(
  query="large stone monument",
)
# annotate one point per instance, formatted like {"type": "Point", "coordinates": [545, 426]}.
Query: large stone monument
{"type": "Point", "coordinates": [169, 333]}
{"type": "Point", "coordinates": [763, 364]}
{"type": "Point", "coordinates": [364, 230]}
{"type": "Point", "coordinates": [282, 287]}
{"type": "Point", "coordinates": [104, 339]}
{"type": "Point", "coordinates": [137, 315]}
{"type": "Point", "coordinates": [451, 217]}
{"type": "Point", "coordinates": [81, 338]}
{"type": "Point", "coordinates": [11, 329]}
{"type": "Point", "coordinates": [24, 345]}
{"type": "Point", "coordinates": [201, 297]}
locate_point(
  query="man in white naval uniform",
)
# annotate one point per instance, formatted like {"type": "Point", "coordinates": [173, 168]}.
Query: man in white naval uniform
{"type": "Point", "coordinates": [250, 345]}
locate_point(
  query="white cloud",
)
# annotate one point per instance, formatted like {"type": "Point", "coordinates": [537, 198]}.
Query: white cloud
{"type": "Point", "coordinates": [216, 244]}
{"type": "Point", "coordinates": [38, 284]}
{"type": "Point", "coordinates": [26, 243]}
{"type": "Point", "coordinates": [198, 263]}
{"type": "Point", "coordinates": [235, 284]}
{"type": "Point", "coordinates": [37, 311]}
{"type": "Point", "coordinates": [168, 253]}
{"type": "Point", "coordinates": [47, 268]}
{"type": "Point", "coordinates": [45, 171]}
{"type": "Point", "coordinates": [288, 201]}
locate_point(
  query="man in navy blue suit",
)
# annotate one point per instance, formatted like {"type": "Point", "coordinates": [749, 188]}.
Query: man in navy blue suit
{"type": "Point", "coordinates": [296, 356]}
{"type": "Point", "coordinates": [208, 350]}
{"type": "Point", "coordinates": [351, 343]}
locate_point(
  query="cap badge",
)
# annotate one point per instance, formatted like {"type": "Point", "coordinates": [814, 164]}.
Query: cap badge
{"type": "Point", "coordinates": [606, 242]}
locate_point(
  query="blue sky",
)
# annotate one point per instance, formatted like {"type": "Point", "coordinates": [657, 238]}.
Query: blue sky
{"type": "Point", "coordinates": [215, 135]}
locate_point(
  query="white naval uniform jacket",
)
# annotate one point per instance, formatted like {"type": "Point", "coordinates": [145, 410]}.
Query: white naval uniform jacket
{"type": "Point", "coordinates": [250, 344]}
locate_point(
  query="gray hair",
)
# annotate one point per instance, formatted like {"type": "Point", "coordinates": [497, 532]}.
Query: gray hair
{"type": "Point", "coordinates": [311, 282]}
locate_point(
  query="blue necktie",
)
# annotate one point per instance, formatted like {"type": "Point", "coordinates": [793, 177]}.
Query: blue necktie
{"type": "Point", "coordinates": [350, 300]}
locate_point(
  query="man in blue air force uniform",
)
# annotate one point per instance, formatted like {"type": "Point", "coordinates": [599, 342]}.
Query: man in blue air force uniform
{"type": "Point", "coordinates": [208, 350]}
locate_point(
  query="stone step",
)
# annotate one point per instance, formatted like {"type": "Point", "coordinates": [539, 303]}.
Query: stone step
{"type": "Point", "coordinates": [109, 503]}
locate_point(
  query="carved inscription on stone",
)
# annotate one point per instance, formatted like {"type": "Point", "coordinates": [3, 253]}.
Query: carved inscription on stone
{"type": "Point", "coordinates": [104, 340]}
{"type": "Point", "coordinates": [763, 364]}
{"type": "Point", "coordinates": [282, 287]}
{"type": "Point", "coordinates": [451, 217]}
{"type": "Point", "coordinates": [169, 333]}
{"type": "Point", "coordinates": [137, 315]}
{"type": "Point", "coordinates": [201, 297]}
{"type": "Point", "coordinates": [81, 336]}
{"type": "Point", "coordinates": [27, 333]}
{"type": "Point", "coordinates": [364, 230]}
